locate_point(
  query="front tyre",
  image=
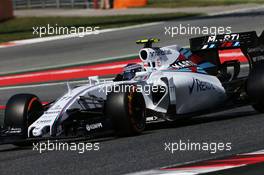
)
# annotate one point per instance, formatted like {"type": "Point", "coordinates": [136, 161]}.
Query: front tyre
{"type": "Point", "coordinates": [21, 111]}
{"type": "Point", "coordinates": [127, 112]}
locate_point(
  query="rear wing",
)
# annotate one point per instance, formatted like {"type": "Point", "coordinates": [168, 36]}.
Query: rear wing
{"type": "Point", "coordinates": [225, 41]}
{"type": "Point", "coordinates": [229, 50]}
{"type": "Point", "coordinates": [241, 47]}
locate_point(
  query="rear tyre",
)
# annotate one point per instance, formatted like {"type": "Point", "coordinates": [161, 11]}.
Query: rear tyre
{"type": "Point", "coordinates": [127, 112]}
{"type": "Point", "coordinates": [255, 87]}
{"type": "Point", "coordinates": [21, 111]}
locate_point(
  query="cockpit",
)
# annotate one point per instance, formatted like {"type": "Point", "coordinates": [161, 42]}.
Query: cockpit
{"type": "Point", "coordinates": [129, 72]}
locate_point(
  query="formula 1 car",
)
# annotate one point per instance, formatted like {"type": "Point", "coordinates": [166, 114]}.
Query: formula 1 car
{"type": "Point", "coordinates": [217, 73]}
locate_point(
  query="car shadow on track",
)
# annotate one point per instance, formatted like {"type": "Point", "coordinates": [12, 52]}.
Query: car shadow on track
{"type": "Point", "coordinates": [200, 120]}
{"type": "Point", "coordinates": [12, 148]}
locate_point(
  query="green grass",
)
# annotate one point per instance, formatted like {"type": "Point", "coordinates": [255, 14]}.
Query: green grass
{"type": "Point", "coordinates": [22, 28]}
{"type": "Point", "coordinates": [195, 3]}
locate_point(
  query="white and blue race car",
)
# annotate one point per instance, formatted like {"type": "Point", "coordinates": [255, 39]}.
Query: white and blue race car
{"type": "Point", "coordinates": [171, 83]}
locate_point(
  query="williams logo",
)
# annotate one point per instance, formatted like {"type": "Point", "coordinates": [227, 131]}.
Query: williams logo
{"type": "Point", "coordinates": [200, 86]}
{"type": "Point", "coordinates": [94, 126]}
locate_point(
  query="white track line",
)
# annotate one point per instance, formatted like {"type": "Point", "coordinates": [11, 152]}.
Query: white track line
{"type": "Point", "coordinates": [236, 11]}
{"type": "Point", "coordinates": [192, 170]}
{"type": "Point", "coordinates": [53, 38]}
{"type": "Point", "coordinates": [61, 37]}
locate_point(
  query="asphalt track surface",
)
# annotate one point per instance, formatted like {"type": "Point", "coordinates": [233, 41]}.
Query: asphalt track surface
{"type": "Point", "coordinates": [243, 127]}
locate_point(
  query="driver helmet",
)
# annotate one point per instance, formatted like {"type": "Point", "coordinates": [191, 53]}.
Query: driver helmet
{"type": "Point", "coordinates": [130, 70]}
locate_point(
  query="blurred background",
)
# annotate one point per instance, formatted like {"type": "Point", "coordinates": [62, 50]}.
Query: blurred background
{"type": "Point", "coordinates": [18, 17]}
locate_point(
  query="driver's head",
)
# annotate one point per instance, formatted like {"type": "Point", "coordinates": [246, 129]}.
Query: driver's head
{"type": "Point", "coordinates": [130, 71]}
